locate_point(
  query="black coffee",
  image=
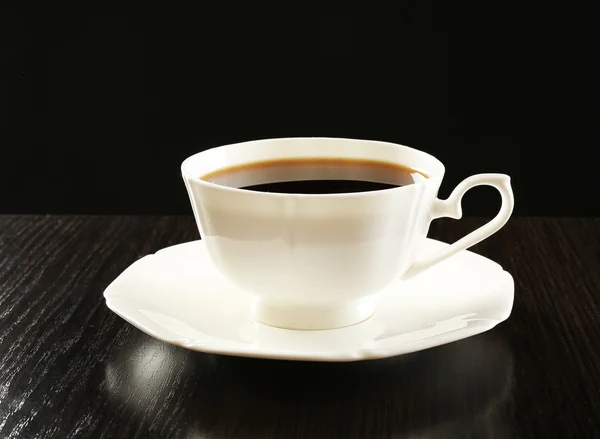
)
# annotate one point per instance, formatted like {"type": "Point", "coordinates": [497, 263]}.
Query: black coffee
{"type": "Point", "coordinates": [316, 176]}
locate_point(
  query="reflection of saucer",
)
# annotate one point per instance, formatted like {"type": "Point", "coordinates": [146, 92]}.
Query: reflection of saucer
{"type": "Point", "coordinates": [178, 296]}
{"type": "Point", "coordinates": [185, 394]}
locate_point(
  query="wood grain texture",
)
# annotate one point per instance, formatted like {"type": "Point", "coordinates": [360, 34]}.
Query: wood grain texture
{"type": "Point", "coordinates": [70, 368]}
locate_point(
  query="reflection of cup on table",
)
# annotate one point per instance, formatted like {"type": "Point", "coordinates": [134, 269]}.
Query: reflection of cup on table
{"type": "Point", "coordinates": [315, 261]}
{"type": "Point", "coordinates": [456, 390]}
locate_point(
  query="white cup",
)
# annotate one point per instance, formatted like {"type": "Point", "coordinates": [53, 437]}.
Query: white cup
{"type": "Point", "coordinates": [316, 261]}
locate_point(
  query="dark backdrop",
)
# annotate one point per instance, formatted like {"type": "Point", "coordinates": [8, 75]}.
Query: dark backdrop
{"type": "Point", "coordinates": [99, 107]}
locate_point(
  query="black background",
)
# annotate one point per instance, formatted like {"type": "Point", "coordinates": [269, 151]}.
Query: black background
{"type": "Point", "coordinates": [98, 107]}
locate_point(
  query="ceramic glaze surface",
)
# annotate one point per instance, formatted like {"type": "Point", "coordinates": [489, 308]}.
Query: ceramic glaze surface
{"type": "Point", "coordinates": [318, 261]}
{"type": "Point", "coordinates": [178, 295]}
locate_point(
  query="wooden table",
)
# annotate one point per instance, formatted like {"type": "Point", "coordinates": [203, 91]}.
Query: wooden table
{"type": "Point", "coordinates": [70, 368]}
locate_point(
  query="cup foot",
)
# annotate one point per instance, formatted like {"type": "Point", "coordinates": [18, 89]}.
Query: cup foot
{"type": "Point", "coordinates": [312, 317]}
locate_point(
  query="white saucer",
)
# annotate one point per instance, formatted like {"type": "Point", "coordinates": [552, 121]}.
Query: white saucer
{"type": "Point", "coordinates": [178, 296]}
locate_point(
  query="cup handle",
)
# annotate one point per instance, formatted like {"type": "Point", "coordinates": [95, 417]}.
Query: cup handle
{"type": "Point", "coordinates": [451, 207]}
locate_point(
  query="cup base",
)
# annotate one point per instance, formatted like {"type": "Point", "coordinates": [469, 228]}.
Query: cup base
{"type": "Point", "coordinates": [312, 317]}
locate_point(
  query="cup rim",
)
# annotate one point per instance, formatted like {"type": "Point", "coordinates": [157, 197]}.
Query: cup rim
{"type": "Point", "coordinates": [197, 180]}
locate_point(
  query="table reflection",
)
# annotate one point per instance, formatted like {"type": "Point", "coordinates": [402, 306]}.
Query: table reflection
{"type": "Point", "coordinates": [457, 390]}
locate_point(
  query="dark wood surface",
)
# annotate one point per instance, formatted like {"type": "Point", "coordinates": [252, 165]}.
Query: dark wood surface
{"type": "Point", "coordinates": [70, 368]}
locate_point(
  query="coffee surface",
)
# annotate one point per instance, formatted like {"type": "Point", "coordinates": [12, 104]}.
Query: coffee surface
{"type": "Point", "coordinates": [316, 176]}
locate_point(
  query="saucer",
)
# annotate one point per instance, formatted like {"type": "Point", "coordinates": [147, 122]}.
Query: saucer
{"type": "Point", "coordinates": [177, 295]}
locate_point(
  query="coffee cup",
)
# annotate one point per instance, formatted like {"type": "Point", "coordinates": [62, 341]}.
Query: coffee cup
{"type": "Point", "coordinates": [317, 261]}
